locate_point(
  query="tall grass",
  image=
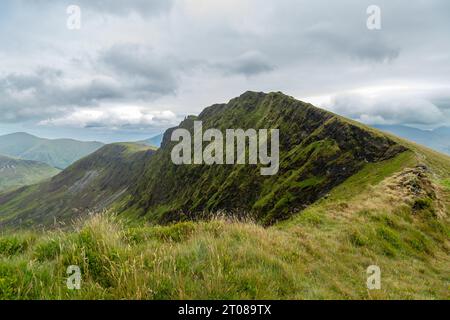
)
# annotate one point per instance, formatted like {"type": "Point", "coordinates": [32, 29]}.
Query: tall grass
{"type": "Point", "coordinates": [226, 259]}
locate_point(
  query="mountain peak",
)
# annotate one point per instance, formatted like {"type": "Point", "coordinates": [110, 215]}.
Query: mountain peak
{"type": "Point", "coordinates": [318, 151]}
{"type": "Point", "coordinates": [21, 135]}
{"type": "Point", "coordinates": [256, 96]}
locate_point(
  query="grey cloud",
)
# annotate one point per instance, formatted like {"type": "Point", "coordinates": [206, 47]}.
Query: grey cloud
{"type": "Point", "coordinates": [376, 51]}
{"type": "Point", "coordinates": [303, 48]}
{"type": "Point", "coordinates": [22, 82]}
{"type": "Point", "coordinates": [135, 118]}
{"type": "Point", "coordinates": [442, 100]}
{"type": "Point", "coordinates": [144, 73]}
{"type": "Point", "coordinates": [357, 43]}
{"type": "Point", "coordinates": [120, 7]}
{"type": "Point", "coordinates": [43, 93]}
{"type": "Point", "coordinates": [389, 109]}
{"type": "Point", "coordinates": [113, 7]}
{"type": "Point", "coordinates": [249, 64]}
{"type": "Point", "coordinates": [122, 73]}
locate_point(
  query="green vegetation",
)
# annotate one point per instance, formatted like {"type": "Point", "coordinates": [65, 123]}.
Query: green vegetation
{"type": "Point", "coordinates": [318, 151]}
{"type": "Point", "coordinates": [16, 173]}
{"type": "Point", "coordinates": [320, 253]}
{"type": "Point", "coordinates": [346, 197]}
{"type": "Point", "coordinates": [10, 246]}
{"type": "Point", "coordinates": [372, 174]}
{"type": "Point", "coordinates": [446, 184]}
{"type": "Point", "coordinates": [317, 257]}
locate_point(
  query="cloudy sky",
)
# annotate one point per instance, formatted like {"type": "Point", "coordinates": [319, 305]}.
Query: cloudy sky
{"type": "Point", "coordinates": [137, 67]}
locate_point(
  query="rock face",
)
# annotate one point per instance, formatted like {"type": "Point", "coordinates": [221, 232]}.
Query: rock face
{"type": "Point", "coordinates": [318, 150]}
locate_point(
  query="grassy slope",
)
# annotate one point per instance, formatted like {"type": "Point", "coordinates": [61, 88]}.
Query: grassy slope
{"type": "Point", "coordinates": [15, 173]}
{"type": "Point", "coordinates": [321, 253]}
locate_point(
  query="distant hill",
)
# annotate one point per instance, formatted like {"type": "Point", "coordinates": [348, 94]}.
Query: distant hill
{"type": "Point", "coordinates": [154, 141]}
{"type": "Point", "coordinates": [437, 139]}
{"type": "Point", "coordinates": [90, 184]}
{"type": "Point", "coordinates": [58, 153]}
{"type": "Point", "coordinates": [15, 173]}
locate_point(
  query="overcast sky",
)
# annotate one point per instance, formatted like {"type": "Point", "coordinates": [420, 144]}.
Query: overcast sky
{"type": "Point", "coordinates": [137, 67]}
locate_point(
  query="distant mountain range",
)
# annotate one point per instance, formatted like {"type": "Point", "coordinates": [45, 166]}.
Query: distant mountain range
{"type": "Point", "coordinates": [58, 153]}
{"type": "Point", "coordinates": [16, 172]}
{"type": "Point", "coordinates": [437, 139]}
{"type": "Point", "coordinates": [26, 159]}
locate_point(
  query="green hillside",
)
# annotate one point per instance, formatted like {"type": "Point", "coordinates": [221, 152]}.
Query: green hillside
{"type": "Point", "coordinates": [16, 173]}
{"type": "Point", "coordinates": [89, 185]}
{"type": "Point", "coordinates": [346, 197]}
{"type": "Point", "coordinates": [318, 151]}
{"type": "Point", "coordinates": [374, 217]}
{"type": "Point", "coordinates": [58, 153]}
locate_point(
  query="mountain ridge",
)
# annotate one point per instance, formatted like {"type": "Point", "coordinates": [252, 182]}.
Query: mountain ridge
{"type": "Point", "coordinates": [319, 151]}
{"type": "Point", "coordinates": [392, 213]}
{"type": "Point", "coordinates": [309, 128]}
